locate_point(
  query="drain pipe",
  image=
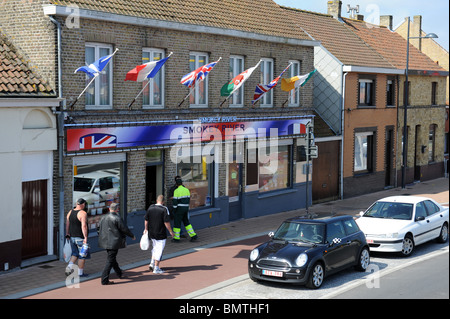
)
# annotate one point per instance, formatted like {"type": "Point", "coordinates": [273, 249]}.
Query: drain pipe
{"type": "Point", "coordinates": [342, 134]}
{"type": "Point", "coordinates": [60, 114]}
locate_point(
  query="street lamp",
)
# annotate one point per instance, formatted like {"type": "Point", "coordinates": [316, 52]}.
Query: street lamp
{"type": "Point", "coordinates": [405, 130]}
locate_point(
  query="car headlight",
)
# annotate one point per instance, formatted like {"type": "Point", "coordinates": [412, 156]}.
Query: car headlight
{"type": "Point", "coordinates": [254, 254]}
{"type": "Point", "coordinates": [301, 260]}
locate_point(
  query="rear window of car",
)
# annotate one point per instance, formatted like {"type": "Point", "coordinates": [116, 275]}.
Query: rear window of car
{"type": "Point", "coordinates": [350, 226]}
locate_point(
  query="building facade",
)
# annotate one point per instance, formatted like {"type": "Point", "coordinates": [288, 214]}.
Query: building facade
{"type": "Point", "coordinates": [228, 154]}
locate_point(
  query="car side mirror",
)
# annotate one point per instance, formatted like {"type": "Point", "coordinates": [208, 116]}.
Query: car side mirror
{"type": "Point", "coordinates": [361, 213]}
{"type": "Point", "coordinates": [271, 234]}
{"type": "Point", "coordinates": [97, 190]}
{"type": "Point", "coordinates": [419, 218]}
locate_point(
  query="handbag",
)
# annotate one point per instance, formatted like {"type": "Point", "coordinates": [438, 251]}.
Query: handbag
{"type": "Point", "coordinates": [145, 242]}
{"type": "Point", "coordinates": [67, 251]}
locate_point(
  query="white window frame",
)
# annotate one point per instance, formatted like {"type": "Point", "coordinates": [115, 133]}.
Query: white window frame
{"type": "Point", "coordinates": [294, 95]}
{"type": "Point", "coordinates": [195, 94]}
{"type": "Point", "coordinates": [96, 84]}
{"type": "Point", "coordinates": [151, 105]}
{"type": "Point", "coordinates": [267, 77]}
{"type": "Point", "coordinates": [237, 100]}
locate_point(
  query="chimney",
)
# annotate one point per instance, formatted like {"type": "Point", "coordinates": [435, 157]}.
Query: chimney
{"type": "Point", "coordinates": [386, 21]}
{"type": "Point", "coordinates": [335, 8]}
{"type": "Point", "coordinates": [416, 31]}
{"type": "Point", "coordinates": [360, 17]}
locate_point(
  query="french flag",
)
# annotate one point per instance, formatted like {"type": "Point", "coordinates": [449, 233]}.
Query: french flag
{"type": "Point", "coordinates": [146, 70]}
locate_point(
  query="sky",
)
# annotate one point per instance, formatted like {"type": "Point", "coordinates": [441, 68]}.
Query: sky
{"type": "Point", "coordinates": [435, 13]}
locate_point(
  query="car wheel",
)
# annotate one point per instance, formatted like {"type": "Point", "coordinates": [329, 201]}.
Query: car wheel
{"type": "Point", "coordinates": [443, 236]}
{"type": "Point", "coordinates": [316, 277]}
{"type": "Point", "coordinates": [364, 260]}
{"type": "Point", "coordinates": [408, 246]}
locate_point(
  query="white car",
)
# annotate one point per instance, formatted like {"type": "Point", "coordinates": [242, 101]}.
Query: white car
{"type": "Point", "coordinates": [399, 223]}
{"type": "Point", "coordinates": [98, 186]}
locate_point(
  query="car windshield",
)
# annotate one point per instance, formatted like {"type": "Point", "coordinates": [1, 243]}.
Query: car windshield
{"type": "Point", "coordinates": [390, 210]}
{"type": "Point", "coordinates": [82, 184]}
{"type": "Point", "coordinates": [300, 232]}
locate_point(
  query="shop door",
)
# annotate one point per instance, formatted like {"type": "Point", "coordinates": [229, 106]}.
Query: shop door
{"type": "Point", "coordinates": [325, 175]}
{"type": "Point", "coordinates": [235, 190]}
{"type": "Point", "coordinates": [34, 219]}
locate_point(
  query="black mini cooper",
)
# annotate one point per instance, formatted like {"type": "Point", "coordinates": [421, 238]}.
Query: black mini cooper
{"type": "Point", "coordinates": [304, 251]}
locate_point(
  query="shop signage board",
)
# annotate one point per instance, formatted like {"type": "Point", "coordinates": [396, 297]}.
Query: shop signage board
{"type": "Point", "coordinates": [117, 137]}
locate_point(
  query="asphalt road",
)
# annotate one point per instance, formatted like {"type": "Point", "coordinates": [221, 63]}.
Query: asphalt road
{"type": "Point", "coordinates": [423, 275]}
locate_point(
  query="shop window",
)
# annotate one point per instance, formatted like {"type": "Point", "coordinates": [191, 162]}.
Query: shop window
{"type": "Point", "coordinates": [99, 93]}
{"type": "Point", "coordinates": [100, 185]}
{"type": "Point", "coordinates": [301, 164]}
{"type": "Point", "coordinates": [197, 176]}
{"type": "Point", "coordinates": [153, 95]}
{"type": "Point", "coordinates": [364, 146]}
{"type": "Point", "coordinates": [271, 173]}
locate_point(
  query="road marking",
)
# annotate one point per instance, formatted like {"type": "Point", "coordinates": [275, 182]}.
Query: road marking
{"type": "Point", "coordinates": [385, 272]}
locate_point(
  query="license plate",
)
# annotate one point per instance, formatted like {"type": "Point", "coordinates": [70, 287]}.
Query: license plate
{"type": "Point", "coordinates": [369, 241]}
{"type": "Point", "coordinates": [272, 273]}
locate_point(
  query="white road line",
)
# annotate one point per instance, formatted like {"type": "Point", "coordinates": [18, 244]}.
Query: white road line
{"type": "Point", "coordinates": [385, 272]}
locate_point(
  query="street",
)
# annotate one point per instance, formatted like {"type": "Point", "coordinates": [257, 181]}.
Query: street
{"type": "Point", "coordinates": [424, 275]}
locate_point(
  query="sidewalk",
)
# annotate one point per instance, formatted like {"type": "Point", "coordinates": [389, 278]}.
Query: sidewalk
{"type": "Point", "coordinates": [39, 278]}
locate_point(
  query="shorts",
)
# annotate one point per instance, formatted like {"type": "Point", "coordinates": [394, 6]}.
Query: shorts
{"type": "Point", "coordinates": [158, 248]}
{"type": "Point", "coordinates": [76, 243]}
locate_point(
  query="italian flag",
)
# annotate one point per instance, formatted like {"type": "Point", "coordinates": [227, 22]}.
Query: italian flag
{"type": "Point", "coordinates": [296, 81]}
{"type": "Point", "coordinates": [234, 85]}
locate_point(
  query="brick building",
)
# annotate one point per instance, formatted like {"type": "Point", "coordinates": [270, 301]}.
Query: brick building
{"type": "Point", "coordinates": [228, 179]}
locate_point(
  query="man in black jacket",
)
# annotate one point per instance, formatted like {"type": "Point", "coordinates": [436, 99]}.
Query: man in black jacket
{"type": "Point", "coordinates": [111, 236]}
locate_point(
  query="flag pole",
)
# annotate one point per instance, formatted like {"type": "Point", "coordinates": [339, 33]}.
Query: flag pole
{"type": "Point", "coordinates": [289, 96]}
{"type": "Point", "coordinates": [190, 92]}
{"type": "Point", "coordinates": [76, 100]}
{"type": "Point", "coordinates": [148, 82]}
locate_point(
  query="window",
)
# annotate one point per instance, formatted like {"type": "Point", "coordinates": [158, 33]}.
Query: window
{"type": "Point", "coordinates": [350, 226]}
{"type": "Point", "coordinates": [420, 210]}
{"type": "Point", "coordinates": [198, 98]}
{"type": "Point", "coordinates": [363, 152]}
{"type": "Point", "coordinates": [366, 92]}
{"type": "Point", "coordinates": [236, 68]}
{"type": "Point", "coordinates": [197, 176]}
{"type": "Point", "coordinates": [335, 230]}
{"type": "Point", "coordinates": [294, 95]}
{"type": "Point", "coordinates": [390, 93]}
{"type": "Point", "coordinates": [266, 78]}
{"type": "Point", "coordinates": [153, 95]}
{"type": "Point", "coordinates": [433, 93]}
{"type": "Point", "coordinates": [269, 170]}
{"type": "Point", "coordinates": [431, 143]}
{"type": "Point", "coordinates": [432, 208]}
{"type": "Point", "coordinates": [99, 93]}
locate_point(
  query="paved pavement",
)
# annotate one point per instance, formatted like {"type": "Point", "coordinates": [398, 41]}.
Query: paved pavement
{"type": "Point", "coordinates": [49, 276]}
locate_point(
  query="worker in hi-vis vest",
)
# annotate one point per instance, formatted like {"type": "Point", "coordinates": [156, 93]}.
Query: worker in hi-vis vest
{"type": "Point", "coordinates": [181, 200]}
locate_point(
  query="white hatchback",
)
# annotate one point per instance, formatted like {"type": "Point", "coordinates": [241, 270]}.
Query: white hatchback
{"type": "Point", "coordinates": [399, 223]}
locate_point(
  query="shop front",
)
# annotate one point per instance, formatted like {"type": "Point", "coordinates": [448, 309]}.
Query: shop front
{"type": "Point", "coordinates": [234, 168]}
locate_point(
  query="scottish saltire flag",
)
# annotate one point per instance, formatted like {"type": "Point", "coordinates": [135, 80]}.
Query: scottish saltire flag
{"type": "Point", "coordinates": [97, 140]}
{"type": "Point", "coordinates": [198, 75]}
{"type": "Point", "coordinates": [262, 89]}
{"type": "Point", "coordinates": [146, 70]}
{"type": "Point", "coordinates": [95, 68]}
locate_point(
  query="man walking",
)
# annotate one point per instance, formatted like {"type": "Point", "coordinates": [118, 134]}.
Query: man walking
{"type": "Point", "coordinates": [181, 200]}
{"type": "Point", "coordinates": [157, 220]}
{"type": "Point", "coordinates": [111, 236]}
{"type": "Point", "coordinates": [77, 230]}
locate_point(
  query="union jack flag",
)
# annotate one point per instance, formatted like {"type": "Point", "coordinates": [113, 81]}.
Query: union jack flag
{"type": "Point", "coordinates": [262, 89]}
{"type": "Point", "coordinates": [97, 140]}
{"type": "Point", "coordinates": [199, 75]}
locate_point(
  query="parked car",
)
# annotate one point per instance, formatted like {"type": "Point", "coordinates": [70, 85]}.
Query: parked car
{"type": "Point", "coordinates": [399, 223]}
{"type": "Point", "coordinates": [305, 251]}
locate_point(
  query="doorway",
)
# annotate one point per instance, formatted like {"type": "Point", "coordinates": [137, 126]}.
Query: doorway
{"type": "Point", "coordinates": [34, 219]}
{"type": "Point", "coordinates": [235, 164]}
{"type": "Point", "coordinates": [153, 176]}
{"type": "Point", "coordinates": [388, 156]}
